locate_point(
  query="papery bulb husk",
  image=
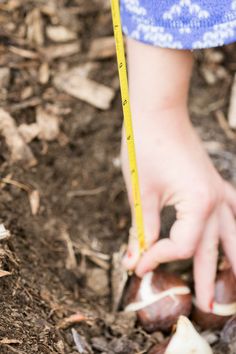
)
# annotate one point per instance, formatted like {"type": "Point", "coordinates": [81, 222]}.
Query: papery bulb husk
{"type": "Point", "coordinates": [225, 293]}
{"type": "Point", "coordinates": [163, 314]}
{"type": "Point", "coordinates": [228, 334]}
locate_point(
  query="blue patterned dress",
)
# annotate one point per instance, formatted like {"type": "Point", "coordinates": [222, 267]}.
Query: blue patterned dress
{"type": "Point", "coordinates": [181, 24]}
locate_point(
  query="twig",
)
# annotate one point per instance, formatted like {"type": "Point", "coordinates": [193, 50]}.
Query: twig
{"type": "Point", "coordinates": [224, 125]}
{"type": "Point", "coordinates": [71, 262]}
{"type": "Point", "coordinates": [98, 258]}
{"type": "Point", "coordinates": [85, 193]}
{"type": "Point", "coordinates": [32, 102]}
{"type": "Point", "coordinates": [16, 184]}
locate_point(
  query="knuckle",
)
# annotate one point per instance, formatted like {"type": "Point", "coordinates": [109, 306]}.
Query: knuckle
{"type": "Point", "coordinates": [185, 252]}
{"type": "Point", "coordinates": [208, 199]}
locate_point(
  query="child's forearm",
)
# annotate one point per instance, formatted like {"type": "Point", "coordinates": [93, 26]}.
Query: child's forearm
{"type": "Point", "coordinates": [158, 78]}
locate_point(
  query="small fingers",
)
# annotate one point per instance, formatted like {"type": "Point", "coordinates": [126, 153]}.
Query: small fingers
{"type": "Point", "coordinates": [184, 238]}
{"type": "Point", "coordinates": [205, 264]}
{"type": "Point", "coordinates": [228, 234]}
{"type": "Point", "coordinates": [230, 196]}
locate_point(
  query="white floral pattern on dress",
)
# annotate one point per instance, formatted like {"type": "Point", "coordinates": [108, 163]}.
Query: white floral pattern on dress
{"type": "Point", "coordinates": [134, 7]}
{"type": "Point", "coordinates": [193, 8]}
{"type": "Point", "coordinates": [156, 35]}
{"type": "Point", "coordinates": [217, 36]}
{"type": "Point", "coordinates": [180, 24]}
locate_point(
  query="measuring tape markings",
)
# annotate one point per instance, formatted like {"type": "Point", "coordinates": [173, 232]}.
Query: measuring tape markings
{"type": "Point", "coordinates": [121, 61]}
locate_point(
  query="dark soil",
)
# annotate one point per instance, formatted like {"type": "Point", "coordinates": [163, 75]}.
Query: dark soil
{"type": "Point", "coordinates": [42, 290]}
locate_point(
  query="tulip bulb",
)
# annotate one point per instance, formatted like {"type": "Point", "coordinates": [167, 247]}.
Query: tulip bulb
{"type": "Point", "coordinates": [159, 299]}
{"type": "Point", "coordinates": [225, 302]}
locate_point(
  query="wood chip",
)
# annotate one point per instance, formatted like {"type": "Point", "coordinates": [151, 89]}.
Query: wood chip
{"type": "Point", "coordinates": [73, 83]}
{"type": "Point", "coordinates": [60, 50]}
{"type": "Point", "coordinates": [31, 102]}
{"type": "Point", "coordinates": [29, 131]}
{"type": "Point", "coordinates": [232, 106]}
{"type": "Point", "coordinates": [48, 124]}
{"type": "Point", "coordinates": [19, 150]}
{"type": "Point", "coordinates": [35, 30]}
{"type": "Point", "coordinates": [34, 199]}
{"type": "Point", "coordinates": [4, 233]}
{"type": "Point", "coordinates": [10, 341]}
{"type": "Point", "coordinates": [24, 53]}
{"type": "Point", "coordinates": [44, 73]}
{"type": "Point", "coordinates": [102, 48]}
{"type": "Point", "coordinates": [27, 92]}
{"type": "Point", "coordinates": [4, 273]}
{"type": "Point", "coordinates": [4, 77]}
{"type": "Point", "coordinates": [60, 34]}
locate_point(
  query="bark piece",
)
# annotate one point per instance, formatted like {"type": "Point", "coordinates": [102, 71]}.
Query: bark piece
{"type": "Point", "coordinates": [35, 30]}
{"type": "Point", "coordinates": [78, 86]}
{"type": "Point", "coordinates": [60, 50]}
{"type": "Point", "coordinates": [48, 124]}
{"type": "Point", "coordinates": [102, 48]}
{"type": "Point", "coordinates": [60, 34]}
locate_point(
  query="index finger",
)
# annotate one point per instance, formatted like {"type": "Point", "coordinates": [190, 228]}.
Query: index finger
{"type": "Point", "coordinates": [205, 264]}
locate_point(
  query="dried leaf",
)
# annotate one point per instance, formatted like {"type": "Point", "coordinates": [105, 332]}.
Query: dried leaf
{"type": "Point", "coordinates": [60, 34]}
{"type": "Point", "coordinates": [60, 50]}
{"type": "Point", "coordinates": [73, 83]}
{"type": "Point", "coordinates": [34, 199]}
{"type": "Point", "coordinates": [102, 48]}
{"type": "Point", "coordinates": [48, 124]}
{"type": "Point", "coordinates": [232, 106]}
{"type": "Point", "coordinates": [29, 131]}
{"type": "Point", "coordinates": [19, 150]}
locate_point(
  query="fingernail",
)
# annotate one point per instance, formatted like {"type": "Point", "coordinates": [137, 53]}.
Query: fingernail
{"type": "Point", "coordinates": [129, 254]}
{"type": "Point", "coordinates": [211, 305]}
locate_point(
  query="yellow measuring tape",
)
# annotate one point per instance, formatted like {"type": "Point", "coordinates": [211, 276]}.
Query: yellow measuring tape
{"type": "Point", "coordinates": [121, 60]}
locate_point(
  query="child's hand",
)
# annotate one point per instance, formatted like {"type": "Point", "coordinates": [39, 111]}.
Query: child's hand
{"type": "Point", "coordinates": [175, 170]}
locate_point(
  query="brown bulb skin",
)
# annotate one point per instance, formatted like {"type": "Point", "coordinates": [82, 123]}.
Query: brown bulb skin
{"type": "Point", "coordinates": [163, 314]}
{"type": "Point", "coordinates": [225, 293]}
{"type": "Point", "coordinates": [159, 348]}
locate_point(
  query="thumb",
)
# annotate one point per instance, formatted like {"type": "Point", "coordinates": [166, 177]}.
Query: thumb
{"type": "Point", "coordinates": [151, 219]}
